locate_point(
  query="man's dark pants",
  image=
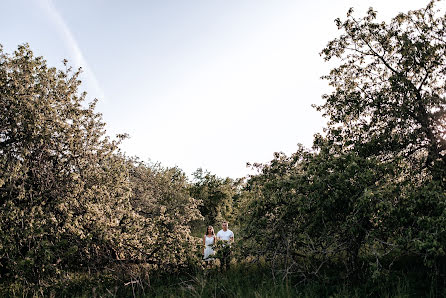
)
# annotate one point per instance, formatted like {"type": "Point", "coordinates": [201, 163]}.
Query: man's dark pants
{"type": "Point", "coordinates": [226, 259]}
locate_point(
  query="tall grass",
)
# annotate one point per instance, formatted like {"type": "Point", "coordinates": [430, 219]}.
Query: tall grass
{"type": "Point", "coordinates": [241, 280]}
{"type": "Point", "coordinates": [246, 280]}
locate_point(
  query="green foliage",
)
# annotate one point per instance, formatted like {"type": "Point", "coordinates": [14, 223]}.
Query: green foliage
{"type": "Point", "coordinates": [310, 210]}
{"type": "Point", "coordinates": [365, 204]}
{"type": "Point", "coordinates": [62, 185]}
{"type": "Point", "coordinates": [223, 249]}
{"type": "Point", "coordinates": [389, 104]}
{"type": "Point", "coordinates": [161, 199]}
{"type": "Point", "coordinates": [373, 188]}
{"type": "Point", "coordinates": [388, 97]}
{"type": "Point", "coordinates": [217, 196]}
{"type": "Point", "coordinates": [69, 200]}
{"type": "Point", "coordinates": [240, 281]}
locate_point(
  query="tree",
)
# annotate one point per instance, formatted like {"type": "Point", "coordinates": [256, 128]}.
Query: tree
{"type": "Point", "coordinates": [373, 187]}
{"type": "Point", "coordinates": [389, 97]}
{"type": "Point", "coordinates": [315, 210]}
{"type": "Point", "coordinates": [389, 102]}
{"type": "Point", "coordinates": [69, 200]}
{"type": "Point", "coordinates": [62, 184]}
{"type": "Point", "coordinates": [216, 195]}
{"type": "Point", "coordinates": [160, 197]}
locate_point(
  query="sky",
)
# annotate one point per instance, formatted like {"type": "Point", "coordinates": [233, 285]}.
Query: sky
{"type": "Point", "coordinates": [210, 84]}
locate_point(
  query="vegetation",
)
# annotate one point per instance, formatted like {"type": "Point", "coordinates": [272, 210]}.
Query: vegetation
{"type": "Point", "coordinates": [70, 201]}
{"type": "Point", "coordinates": [363, 212]}
{"type": "Point", "coordinates": [372, 190]}
{"type": "Point", "coordinates": [217, 195]}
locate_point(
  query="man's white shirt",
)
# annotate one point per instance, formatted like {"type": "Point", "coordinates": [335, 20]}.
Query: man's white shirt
{"type": "Point", "coordinates": [225, 235]}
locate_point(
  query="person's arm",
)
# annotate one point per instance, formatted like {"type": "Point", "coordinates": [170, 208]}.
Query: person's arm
{"type": "Point", "coordinates": [232, 237]}
{"type": "Point", "coordinates": [204, 243]}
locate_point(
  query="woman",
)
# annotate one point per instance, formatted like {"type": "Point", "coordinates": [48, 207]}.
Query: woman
{"type": "Point", "coordinates": [208, 241]}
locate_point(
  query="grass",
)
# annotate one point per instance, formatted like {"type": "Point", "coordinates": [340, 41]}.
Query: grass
{"type": "Point", "coordinates": [241, 280]}
{"type": "Point", "coordinates": [237, 282]}
{"type": "Point", "coordinates": [257, 281]}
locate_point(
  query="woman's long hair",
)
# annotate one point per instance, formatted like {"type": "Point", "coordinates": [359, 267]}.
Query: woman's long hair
{"type": "Point", "coordinates": [212, 230]}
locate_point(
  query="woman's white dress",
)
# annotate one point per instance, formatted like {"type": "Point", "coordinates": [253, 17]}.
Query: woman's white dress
{"type": "Point", "coordinates": [208, 251]}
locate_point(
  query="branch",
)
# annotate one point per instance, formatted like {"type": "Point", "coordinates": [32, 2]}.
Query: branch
{"type": "Point", "coordinates": [374, 53]}
{"type": "Point", "coordinates": [423, 81]}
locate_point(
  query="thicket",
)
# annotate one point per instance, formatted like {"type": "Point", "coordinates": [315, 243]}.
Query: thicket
{"type": "Point", "coordinates": [366, 203]}
{"type": "Point", "coordinates": [372, 190]}
{"type": "Point", "coordinates": [218, 196]}
{"type": "Point", "coordinates": [70, 201]}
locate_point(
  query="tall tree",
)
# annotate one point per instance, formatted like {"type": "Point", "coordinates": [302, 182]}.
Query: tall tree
{"type": "Point", "coordinates": [389, 102]}
{"type": "Point", "coordinates": [160, 197]}
{"type": "Point", "coordinates": [389, 90]}
{"type": "Point", "coordinates": [62, 185]}
{"type": "Point", "coordinates": [68, 198]}
{"type": "Point", "coordinates": [216, 195]}
{"type": "Point", "coordinates": [375, 183]}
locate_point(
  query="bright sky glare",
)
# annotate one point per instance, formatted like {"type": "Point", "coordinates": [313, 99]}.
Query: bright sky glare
{"type": "Point", "coordinates": [201, 83]}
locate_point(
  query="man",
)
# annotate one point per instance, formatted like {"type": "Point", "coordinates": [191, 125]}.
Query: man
{"type": "Point", "coordinates": [226, 235]}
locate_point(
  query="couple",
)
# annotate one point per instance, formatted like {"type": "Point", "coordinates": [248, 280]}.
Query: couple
{"type": "Point", "coordinates": [210, 239]}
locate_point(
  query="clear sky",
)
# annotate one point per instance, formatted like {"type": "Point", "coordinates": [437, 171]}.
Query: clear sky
{"type": "Point", "coordinates": [195, 83]}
